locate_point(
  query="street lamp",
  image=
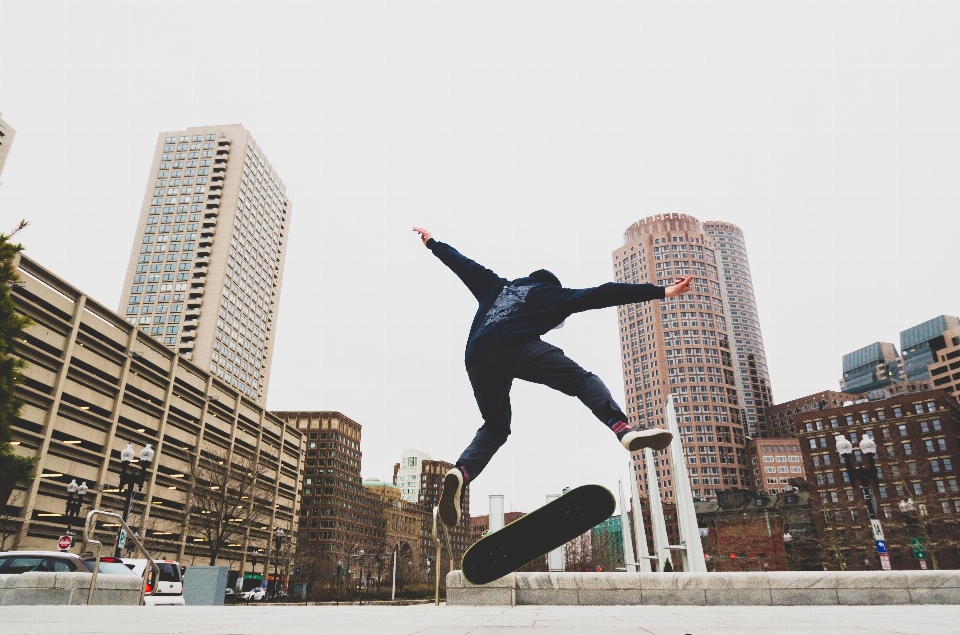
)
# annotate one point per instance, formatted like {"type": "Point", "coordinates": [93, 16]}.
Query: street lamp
{"type": "Point", "coordinates": [130, 476]}
{"type": "Point", "coordinates": [75, 494]}
{"type": "Point", "coordinates": [278, 538]}
{"type": "Point", "coordinates": [865, 476]}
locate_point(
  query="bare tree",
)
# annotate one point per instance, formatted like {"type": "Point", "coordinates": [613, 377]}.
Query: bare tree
{"type": "Point", "coordinates": [577, 553]}
{"type": "Point", "coordinates": [10, 525]}
{"type": "Point", "coordinates": [227, 497]}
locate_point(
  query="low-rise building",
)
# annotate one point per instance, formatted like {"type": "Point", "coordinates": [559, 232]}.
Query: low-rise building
{"type": "Point", "coordinates": [773, 462]}
{"type": "Point", "coordinates": [94, 383]}
{"type": "Point", "coordinates": [916, 493]}
{"type": "Point", "coordinates": [780, 417]}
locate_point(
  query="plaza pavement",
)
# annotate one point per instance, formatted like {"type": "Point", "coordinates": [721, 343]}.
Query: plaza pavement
{"type": "Point", "coordinates": [488, 620]}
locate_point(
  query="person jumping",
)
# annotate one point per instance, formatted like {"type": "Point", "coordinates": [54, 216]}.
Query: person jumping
{"type": "Point", "coordinates": [504, 344]}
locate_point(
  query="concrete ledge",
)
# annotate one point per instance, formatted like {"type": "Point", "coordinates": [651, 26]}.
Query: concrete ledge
{"type": "Point", "coordinates": [779, 588]}
{"type": "Point", "coordinates": [68, 588]}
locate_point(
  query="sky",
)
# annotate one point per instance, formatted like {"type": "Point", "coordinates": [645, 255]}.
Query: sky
{"type": "Point", "coordinates": [527, 135]}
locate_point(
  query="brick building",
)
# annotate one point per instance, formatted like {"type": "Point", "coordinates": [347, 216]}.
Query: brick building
{"type": "Point", "coordinates": [918, 456]}
{"type": "Point", "coordinates": [747, 531]}
{"type": "Point", "coordinates": [423, 477]}
{"type": "Point", "coordinates": [773, 463]}
{"type": "Point", "coordinates": [480, 524]}
{"type": "Point", "coordinates": [337, 515]}
{"type": "Point", "coordinates": [780, 417]}
{"type": "Point", "coordinates": [945, 369]}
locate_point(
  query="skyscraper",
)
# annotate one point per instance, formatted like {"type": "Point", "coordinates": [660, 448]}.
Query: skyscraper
{"type": "Point", "coordinates": [750, 361]}
{"type": "Point", "coordinates": [207, 262]}
{"type": "Point", "coordinates": [682, 346]}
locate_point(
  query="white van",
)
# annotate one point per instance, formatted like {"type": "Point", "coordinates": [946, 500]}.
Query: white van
{"type": "Point", "coordinates": [170, 587]}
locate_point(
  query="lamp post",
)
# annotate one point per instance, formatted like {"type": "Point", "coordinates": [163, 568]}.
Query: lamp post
{"type": "Point", "coordinates": [75, 494]}
{"type": "Point", "coordinates": [253, 558]}
{"type": "Point", "coordinates": [865, 476]}
{"type": "Point", "coordinates": [130, 476]}
{"type": "Point", "coordinates": [278, 543]}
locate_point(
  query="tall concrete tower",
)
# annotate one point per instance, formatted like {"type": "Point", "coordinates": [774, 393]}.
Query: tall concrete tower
{"type": "Point", "coordinates": [750, 359]}
{"type": "Point", "coordinates": [207, 261]}
{"type": "Point", "coordinates": [681, 345]}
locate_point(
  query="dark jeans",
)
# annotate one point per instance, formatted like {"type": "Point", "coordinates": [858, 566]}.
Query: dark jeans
{"type": "Point", "coordinates": [536, 362]}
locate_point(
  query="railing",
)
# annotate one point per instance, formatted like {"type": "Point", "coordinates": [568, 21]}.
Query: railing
{"type": "Point", "coordinates": [436, 563]}
{"type": "Point", "coordinates": [88, 538]}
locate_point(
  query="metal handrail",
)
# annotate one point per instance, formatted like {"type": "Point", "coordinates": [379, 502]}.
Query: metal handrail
{"type": "Point", "coordinates": [436, 562]}
{"type": "Point", "coordinates": [88, 538]}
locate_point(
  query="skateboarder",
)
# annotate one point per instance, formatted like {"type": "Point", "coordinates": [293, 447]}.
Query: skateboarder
{"type": "Point", "coordinates": [504, 344]}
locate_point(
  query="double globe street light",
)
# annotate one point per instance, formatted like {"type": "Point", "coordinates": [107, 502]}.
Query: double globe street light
{"type": "Point", "coordinates": [865, 476]}
{"type": "Point", "coordinates": [131, 476]}
{"type": "Point", "coordinates": [75, 494]}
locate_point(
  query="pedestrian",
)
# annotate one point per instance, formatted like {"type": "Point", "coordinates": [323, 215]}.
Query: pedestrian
{"type": "Point", "coordinates": [504, 344]}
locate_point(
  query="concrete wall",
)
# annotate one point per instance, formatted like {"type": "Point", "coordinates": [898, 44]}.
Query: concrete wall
{"type": "Point", "coordinates": [204, 586]}
{"type": "Point", "coordinates": [781, 588]}
{"type": "Point", "coordinates": [68, 588]}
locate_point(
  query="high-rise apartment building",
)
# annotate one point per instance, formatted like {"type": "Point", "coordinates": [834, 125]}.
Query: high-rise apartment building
{"type": "Point", "coordinates": [750, 360]}
{"type": "Point", "coordinates": [682, 345]}
{"type": "Point", "coordinates": [205, 270]}
{"type": "Point", "coordinates": [7, 133]}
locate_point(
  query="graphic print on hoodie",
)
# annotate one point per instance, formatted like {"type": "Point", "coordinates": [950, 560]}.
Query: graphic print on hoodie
{"type": "Point", "coordinates": [506, 304]}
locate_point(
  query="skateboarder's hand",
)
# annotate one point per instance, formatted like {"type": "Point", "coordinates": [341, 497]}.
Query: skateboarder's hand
{"type": "Point", "coordinates": [425, 235]}
{"type": "Point", "coordinates": [680, 286]}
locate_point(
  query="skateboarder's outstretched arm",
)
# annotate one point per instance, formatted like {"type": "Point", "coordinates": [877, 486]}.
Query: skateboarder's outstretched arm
{"type": "Point", "coordinates": [478, 278]}
{"type": "Point", "coordinates": [615, 293]}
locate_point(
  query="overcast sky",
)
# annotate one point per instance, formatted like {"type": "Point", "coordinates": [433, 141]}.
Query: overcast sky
{"type": "Point", "coordinates": [528, 135]}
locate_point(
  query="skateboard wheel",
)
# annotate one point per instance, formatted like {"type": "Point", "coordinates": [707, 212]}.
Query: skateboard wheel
{"type": "Point", "coordinates": [564, 491]}
{"type": "Point", "coordinates": [485, 534]}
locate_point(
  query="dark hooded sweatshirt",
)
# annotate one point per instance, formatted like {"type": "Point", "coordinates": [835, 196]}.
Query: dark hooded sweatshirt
{"type": "Point", "coordinates": [516, 312]}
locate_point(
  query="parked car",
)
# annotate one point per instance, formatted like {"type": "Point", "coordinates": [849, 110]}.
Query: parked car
{"type": "Point", "coordinates": [253, 595]}
{"type": "Point", "coordinates": [170, 587]}
{"type": "Point", "coordinates": [56, 562]}
{"type": "Point", "coordinates": [229, 596]}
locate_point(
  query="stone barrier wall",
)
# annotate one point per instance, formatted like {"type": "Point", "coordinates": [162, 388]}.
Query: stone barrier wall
{"type": "Point", "coordinates": [68, 588]}
{"type": "Point", "coordinates": [779, 588]}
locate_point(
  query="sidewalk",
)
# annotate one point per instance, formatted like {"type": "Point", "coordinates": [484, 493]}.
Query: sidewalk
{"type": "Point", "coordinates": [493, 620]}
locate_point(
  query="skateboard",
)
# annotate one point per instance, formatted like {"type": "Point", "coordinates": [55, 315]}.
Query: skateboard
{"type": "Point", "coordinates": [539, 532]}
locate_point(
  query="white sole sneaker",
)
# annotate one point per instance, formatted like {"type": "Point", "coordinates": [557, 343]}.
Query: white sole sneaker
{"type": "Point", "coordinates": [450, 498]}
{"type": "Point", "coordinates": [653, 438]}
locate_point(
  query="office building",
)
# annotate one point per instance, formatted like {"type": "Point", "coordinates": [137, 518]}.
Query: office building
{"type": "Point", "coordinates": [871, 367]}
{"type": "Point", "coordinates": [773, 463]}
{"type": "Point", "coordinates": [920, 344]}
{"type": "Point", "coordinates": [780, 417]}
{"type": "Point", "coordinates": [207, 261]}
{"type": "Point", "coordinates": [407, 478]}
{"type": "Point", "coordinates": [7, 133]}
{"type": "Point", "coordinates": [682, 345]}
{"type": "Point", "coordinates": [94, 383]}
{"type": "Point", "coordinates": [337, 514]}
{"type": "Point", "coordinates": [402, 524]}
{"type": "Point", "coordinates": [945, 371]}
{"type": "Point", "coordinates": [750, 365]}
{"type": "Point", "coordinates": [916, 494]}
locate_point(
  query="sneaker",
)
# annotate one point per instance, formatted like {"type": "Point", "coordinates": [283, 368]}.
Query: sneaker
{"type": "Point", "coordinates": [450, 497]}
{"type": "Point", "coordinates": [653, 438]}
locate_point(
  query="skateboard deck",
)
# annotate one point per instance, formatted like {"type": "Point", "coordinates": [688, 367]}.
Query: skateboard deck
{"type": "Point", "coordinates": [537, 533]}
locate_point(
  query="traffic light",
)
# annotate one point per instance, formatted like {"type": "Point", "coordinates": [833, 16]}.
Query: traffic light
{"type": "Point", "coordinates": [919, 549]}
